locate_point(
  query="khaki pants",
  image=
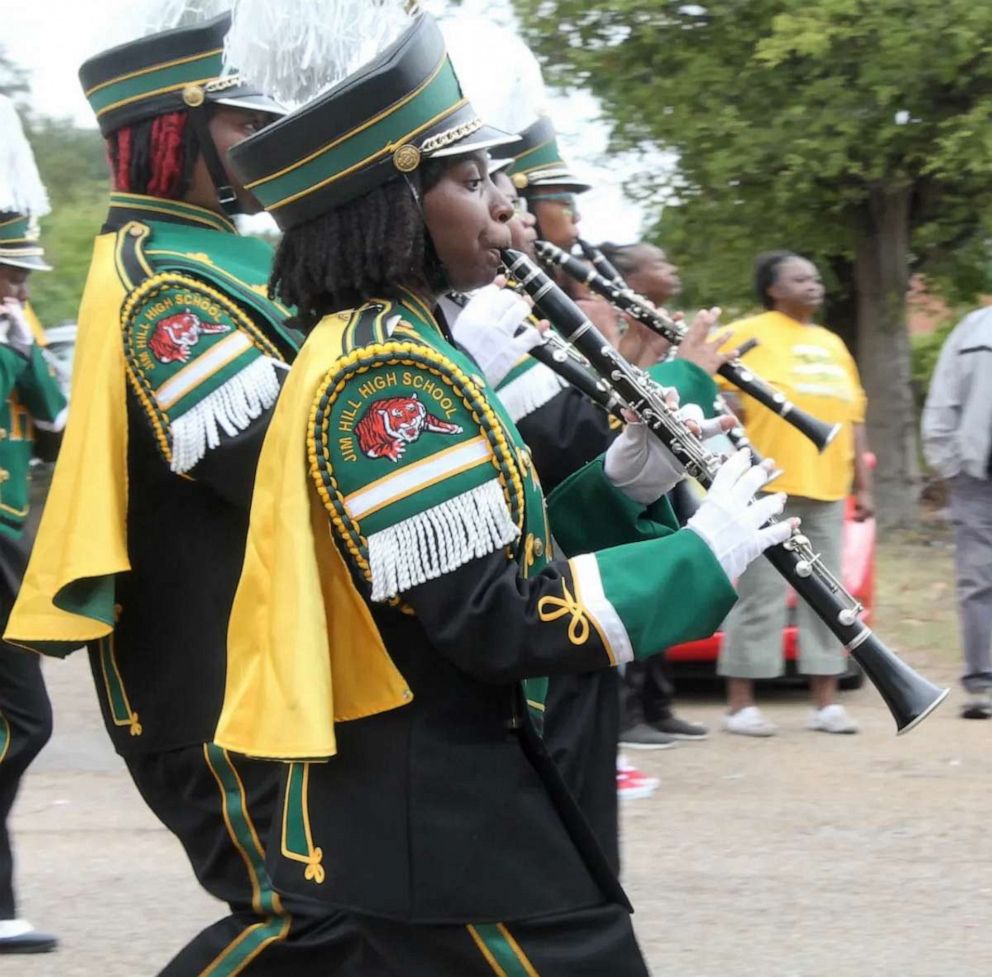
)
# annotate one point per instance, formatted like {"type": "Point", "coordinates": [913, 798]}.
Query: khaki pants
{"type": "Point", "coordinates": [752, 645]}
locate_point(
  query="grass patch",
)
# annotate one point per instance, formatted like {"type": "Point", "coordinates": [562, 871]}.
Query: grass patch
{"type": "Point", "coordinates": [915, 602]}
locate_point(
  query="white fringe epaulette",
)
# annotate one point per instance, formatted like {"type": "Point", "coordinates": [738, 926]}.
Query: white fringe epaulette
{"type": "Point", "coordinates": [439, 540]}
{"type": "Point", "coordinates": [230, 408]}
{"type": "Point", "coordinates": [530, 390]}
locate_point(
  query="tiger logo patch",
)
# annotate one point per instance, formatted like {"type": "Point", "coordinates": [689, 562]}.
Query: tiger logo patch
{"type": "Point", "coordinates": [176, 335]}
{"type": "Point", "coordinates": [389, 425]}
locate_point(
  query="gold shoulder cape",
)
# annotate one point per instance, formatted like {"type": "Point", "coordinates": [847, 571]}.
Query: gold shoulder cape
{"type": "Point", "coordinates": [66, 598]}
{"type": "Point", "coordinates": [303, 650]}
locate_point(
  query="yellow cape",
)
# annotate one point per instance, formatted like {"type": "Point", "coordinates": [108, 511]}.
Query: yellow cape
{"type": "Point", "coordinates": [297, 617]}
{"type": "Point", "coordinates": [67, 596]}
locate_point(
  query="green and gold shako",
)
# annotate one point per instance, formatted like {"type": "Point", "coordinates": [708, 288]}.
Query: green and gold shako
{"type": "Point", "coordinates": [19, 243]}
{"type": "Point", "coordinates": [166, 72]}
{"type": "Point", "coordinates": [537, 160]}
{"type": "Point", "coordinates": [380, 122]}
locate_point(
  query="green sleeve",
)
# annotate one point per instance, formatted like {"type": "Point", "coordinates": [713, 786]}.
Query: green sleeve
{"type": "Point", "coordinates": [39, 391]}
{"type": "Point", "coordinates": [587, 513]}
{"type": "Point", "coordinates": [12, 365]}
{"type": "Point", "coordinates": [663, 591]}
{"type": "Point", "coordinates": [694, 384]}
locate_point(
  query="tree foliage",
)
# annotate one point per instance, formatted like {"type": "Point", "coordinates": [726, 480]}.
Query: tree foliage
{"type": "Point", "coordinates": [73, 166]}
{"type": "Point", "coordinates": [857, 131]}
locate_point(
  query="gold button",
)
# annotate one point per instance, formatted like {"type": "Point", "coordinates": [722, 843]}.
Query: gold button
{"type": "Point", "coordinates": [538, 546]}
{"type": "Point", "coordinates": [136, 231]}
{"type": "Point", "coordinates": [3, 433]}
{"type": "Point", "coordinates": [4, 475]}
{"type": "Point", "coordinates": [407, 695]}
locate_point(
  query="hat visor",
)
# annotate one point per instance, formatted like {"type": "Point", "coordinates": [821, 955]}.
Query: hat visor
{"type": "Point", "coordinates": [251, 102]}
{"type": "Point", "coordinates": [29, 261]}
{"type": "Point", "coordinates": [561, 178]}
{"type": "Point", "coordinates": [496, 165]}
{"type": "Point", "coordinates": [484, 137]}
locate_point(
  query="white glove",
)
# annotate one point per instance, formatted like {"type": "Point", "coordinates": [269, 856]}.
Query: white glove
{"type": "Point", "coordinates": [486, 328]}
{"type": "Point", "coordinates": [638, 463]}
{"type": "Point", "coordinates": [640, 466]}
{"type": "Point", "coordinates": [730, 522]}
{"type": "Point", "coordinates": [18, 332]}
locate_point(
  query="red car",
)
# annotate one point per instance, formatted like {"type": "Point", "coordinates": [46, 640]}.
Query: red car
{"type": "Point", "coordinates": [858, 576]}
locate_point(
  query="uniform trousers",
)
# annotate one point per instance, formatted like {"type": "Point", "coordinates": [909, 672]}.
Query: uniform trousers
{"type": "Point", "coordinates": [219, 806]}
{"type": "Point", "coordinates": [971, 512]}
{"type": "Point", "coordinates": [25, 727]}
{"type": "Point", "coordinates": [595, 942]}
{"type": "Point", "coordinates": [752, 646]}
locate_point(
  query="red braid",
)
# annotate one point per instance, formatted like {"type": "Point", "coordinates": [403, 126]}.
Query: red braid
{"type": "Point", "coordinates": [121, 171]}
{"type": "Point", "coordinates": [157, 168]}
{"type": "Point", "coordinates": [167, 155]}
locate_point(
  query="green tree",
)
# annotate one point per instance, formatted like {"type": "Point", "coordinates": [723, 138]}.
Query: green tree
{"type": "Point", "coordinates": [73, 165]}
{"type": "Point", "coordinates": [855, 130]}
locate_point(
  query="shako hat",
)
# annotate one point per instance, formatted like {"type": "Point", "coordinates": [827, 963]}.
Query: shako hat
{"type": "Point", "coordinates": [537, 160]}
{"type": "Point", "coordinates": [403, 106]}
{"type": "Point", "coordinates": [166, 72]}
{"type": "Point", "coordinates": [22, 195]}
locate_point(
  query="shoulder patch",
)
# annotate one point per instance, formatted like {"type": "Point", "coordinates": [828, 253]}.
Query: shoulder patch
{"type": "Point", "coordinates": [412, 464]}
{"type": "Point", "coordinates": [198, 364]}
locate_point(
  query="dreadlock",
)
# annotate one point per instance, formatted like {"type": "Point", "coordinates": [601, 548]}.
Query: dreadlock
{"type": "Point", "coordinates": [766, 268]}
{"type": "Point", "coordinates": [364, 248]}
{"type": "Point", "coordinates": [154, 156]}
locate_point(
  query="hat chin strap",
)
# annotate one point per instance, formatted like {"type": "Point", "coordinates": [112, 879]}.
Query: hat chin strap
{"type": "Point", "coordinates": [226, 195]}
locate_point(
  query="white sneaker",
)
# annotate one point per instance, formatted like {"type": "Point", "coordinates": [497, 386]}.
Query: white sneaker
{"type": "Point", "coordinates": [831, 719]}
{"type": "Point", "coordinates": [748, 722]}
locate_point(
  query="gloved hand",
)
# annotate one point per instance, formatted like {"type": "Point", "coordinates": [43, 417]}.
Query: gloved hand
{"type": "Point", "coordinates": [18, 332]}
{"type": "Point", "coordinates": [486, 328]}
{"type": "Point", "coordinates": [729, 520]}
{"type": "Point", "coordinates": [640, 466]}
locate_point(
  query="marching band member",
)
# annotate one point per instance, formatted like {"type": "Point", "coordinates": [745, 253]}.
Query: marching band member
{"type": "Point", "coordinates": [30, 397]}
{"type": "Point", "coordinates": [399, 582]}
{"type": "Point", "coordinates": [180, 359]}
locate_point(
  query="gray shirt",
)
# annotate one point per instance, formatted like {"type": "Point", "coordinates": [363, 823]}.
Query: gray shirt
{"type": "Point", "coordinates": [957, 417]}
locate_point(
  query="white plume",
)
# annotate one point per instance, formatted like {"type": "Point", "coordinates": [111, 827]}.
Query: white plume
{"type": "Point", "coordinates": [498, 73]}
{"type": "Point", "coordinates": [139, 18]}
{"type": "Point", "coordinates": [294, 50]}
{"type": "Point", "coordinates": [164, 15]}
{"type": "Point", "coordinates": [21, 189]}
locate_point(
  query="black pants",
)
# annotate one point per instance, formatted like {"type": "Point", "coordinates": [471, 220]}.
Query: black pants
{"type": "Point", "coordinates": [25, 727]}
{"type": "Point", "coordinates": [597, 942]}
{"type": "Point", "coordinates": [220, 807]}
{"type": "Point", "coordinates": [648, 692]}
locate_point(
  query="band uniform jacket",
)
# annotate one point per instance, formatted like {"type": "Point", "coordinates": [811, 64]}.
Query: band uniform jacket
{"type": "Point", "coordinates": [444, 807]}
{"type": "Point", "coordinates": [202, 353]}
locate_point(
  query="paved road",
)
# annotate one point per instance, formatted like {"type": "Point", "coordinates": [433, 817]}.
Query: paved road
{"type": "Point", "coordinates": [802, 856]}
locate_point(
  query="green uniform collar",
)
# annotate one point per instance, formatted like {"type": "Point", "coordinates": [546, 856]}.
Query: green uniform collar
{"type": "Point", "coordinates": [126, 207]}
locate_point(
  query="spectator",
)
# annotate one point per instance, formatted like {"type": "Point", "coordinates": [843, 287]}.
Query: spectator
{"type": "Point", "coordinates": [957, 442]}
{"type": "Point", "coordinates": [813, 368]}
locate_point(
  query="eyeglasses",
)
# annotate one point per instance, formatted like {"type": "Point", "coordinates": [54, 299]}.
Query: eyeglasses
{"type": "Point", "coordinates": [567, 200]}
{"type": "Point", "coordinates": [519, 205]}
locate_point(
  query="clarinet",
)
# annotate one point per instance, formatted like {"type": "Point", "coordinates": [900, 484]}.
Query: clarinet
{"type": "Point", "coordinates": [638, 307]}
{"type": "Point", "coordinates": [562, 359]}
{"type": "Point", "coordinates": [909, 696]}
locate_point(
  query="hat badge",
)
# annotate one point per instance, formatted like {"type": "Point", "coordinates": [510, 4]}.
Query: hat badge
{"type": "Point", "coordinates": [407, 158]}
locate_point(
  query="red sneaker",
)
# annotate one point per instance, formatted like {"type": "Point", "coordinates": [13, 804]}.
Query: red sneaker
{"type": "Point", "coordinates": [632, 784]}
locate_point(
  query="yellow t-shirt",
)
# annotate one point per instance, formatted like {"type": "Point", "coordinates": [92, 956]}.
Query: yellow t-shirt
{"type": "Point", "coordinates": [813, 368]}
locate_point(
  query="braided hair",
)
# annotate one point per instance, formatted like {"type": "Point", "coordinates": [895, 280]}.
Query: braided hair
{"type": "Point", "coordinates": [365, 248]}
{"type": "Point", "coordinates": [766, 268]}
{"type": "Point", "coordinates": [154, 156]}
